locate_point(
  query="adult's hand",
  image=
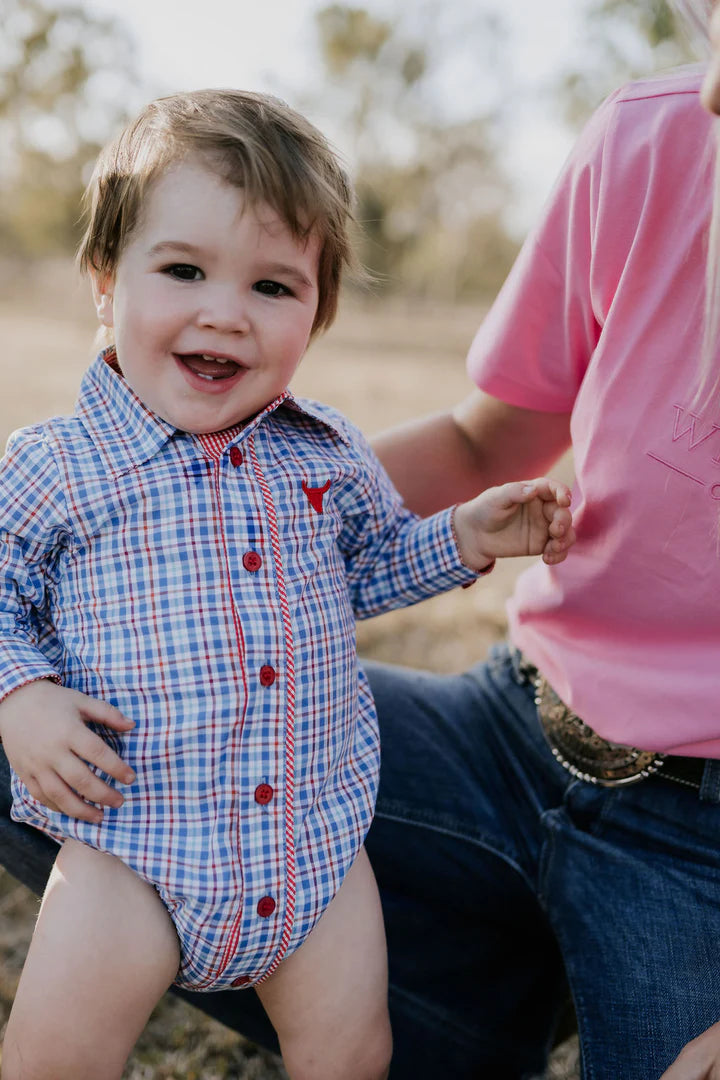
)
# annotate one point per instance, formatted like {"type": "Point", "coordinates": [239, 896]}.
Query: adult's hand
{"type": "Point", "coordinates": [699, 1060]}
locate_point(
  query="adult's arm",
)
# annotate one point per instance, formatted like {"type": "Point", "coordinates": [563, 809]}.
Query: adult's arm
{"type": "Point", "coordinates": [448, 457]}
{"type": "Point", "coordinates": [531, 353]}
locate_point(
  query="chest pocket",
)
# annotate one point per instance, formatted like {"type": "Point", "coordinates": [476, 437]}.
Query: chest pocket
{"type": "Point", "coordinates": [309, 523]}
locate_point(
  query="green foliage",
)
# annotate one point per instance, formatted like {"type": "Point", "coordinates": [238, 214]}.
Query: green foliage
{"type": "Point", "coordinates": [349, 35]}
{"type": "Point", "coordinates": [626, 39]}
{"type": "Point", "coordinates": [66, 80]}
{"type": "Point", "coordinates": [426, 182]}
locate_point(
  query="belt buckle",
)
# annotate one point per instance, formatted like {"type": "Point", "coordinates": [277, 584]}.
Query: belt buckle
{"type": "Point", "coordinates": [584, 753]}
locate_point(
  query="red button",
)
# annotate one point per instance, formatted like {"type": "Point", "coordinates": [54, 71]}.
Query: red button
{"type": "Point", "coordinates": [242, 981]}
{"type": "Point", "coordinates": [265, 907]}
{"type": "Point", "coordinates": [236, 458]}
{"type": "Point", "coordinates": [263, 794]}
{"type": "Point", "coordinates": [252, 561]}
{"type": "Point", "coordinates": [267, 675]}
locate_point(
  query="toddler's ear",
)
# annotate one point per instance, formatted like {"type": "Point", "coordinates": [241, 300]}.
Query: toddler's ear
{"type": "Point", "coordinates": [102, 295]}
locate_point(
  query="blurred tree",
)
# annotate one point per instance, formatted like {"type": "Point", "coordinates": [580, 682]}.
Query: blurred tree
{"type": "Point", "coordinates": [630, 38]}
{"type": "Point", "coordinates": [67, 80]}
{"type": "Point", "coordinates": [430, 188]}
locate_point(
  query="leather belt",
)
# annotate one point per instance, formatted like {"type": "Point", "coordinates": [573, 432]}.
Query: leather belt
{"type": "Point", "coordinates": [589, 757]}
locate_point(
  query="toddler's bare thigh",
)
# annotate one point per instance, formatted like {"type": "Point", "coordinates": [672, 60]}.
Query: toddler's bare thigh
{"type": "Point", "coordinates": [328, 1000]}
{"type": "Point", "coordinates": [103, 952]}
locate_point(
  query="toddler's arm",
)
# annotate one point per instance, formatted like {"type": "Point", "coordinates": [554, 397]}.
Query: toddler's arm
{"type": "Point", "coordinates": [529, 517]}
{"type": "Point", "coordinates": [393, 558]}
{"type": "Point", "coordinates": [43, 724]}
{"type": "Point", "coordinates": [44, 733]}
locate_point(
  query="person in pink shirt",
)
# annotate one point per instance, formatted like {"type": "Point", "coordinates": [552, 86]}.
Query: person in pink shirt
{"type": "Point", "coordinates": [563, 798]}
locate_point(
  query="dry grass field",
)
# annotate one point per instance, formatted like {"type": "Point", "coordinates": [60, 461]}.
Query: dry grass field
{"type": "Point", "coordinates": [380, 365]}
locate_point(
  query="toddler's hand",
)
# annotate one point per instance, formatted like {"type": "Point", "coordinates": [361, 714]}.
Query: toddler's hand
{"type": "Point", "coordinates": [43, 729]}
{"type": "Point", "coordinates": [529, 517]}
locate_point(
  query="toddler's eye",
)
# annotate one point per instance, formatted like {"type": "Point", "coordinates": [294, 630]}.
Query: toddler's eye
{"type": "Point", "coordinates": [271, 288]}
{"type": "Point", "coordinates": [183, 272]}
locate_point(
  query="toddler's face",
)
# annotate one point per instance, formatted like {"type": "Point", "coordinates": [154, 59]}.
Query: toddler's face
{"type": "Point", "coordinates": [212, 302]}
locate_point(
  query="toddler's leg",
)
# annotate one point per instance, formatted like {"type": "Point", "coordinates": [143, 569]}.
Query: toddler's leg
{"type": "Point", "coordinates": [103, 953]}
{"type": "Point", "coordinates": [328, 1001]}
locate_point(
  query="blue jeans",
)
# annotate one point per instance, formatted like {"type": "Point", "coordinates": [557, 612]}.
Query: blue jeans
{"type": "Point", "coordinates": [504, 881]}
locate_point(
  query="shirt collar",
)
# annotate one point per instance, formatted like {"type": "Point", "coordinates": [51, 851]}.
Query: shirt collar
{"type": "Point", "coordinates": [126, 433]}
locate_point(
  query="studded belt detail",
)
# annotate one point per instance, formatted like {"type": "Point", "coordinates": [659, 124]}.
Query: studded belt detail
{"type": "Point", "coordinates": [589, 757]}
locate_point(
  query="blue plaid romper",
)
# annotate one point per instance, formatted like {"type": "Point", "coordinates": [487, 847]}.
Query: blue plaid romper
{"type": "Point", "coordinates": [207, 587]}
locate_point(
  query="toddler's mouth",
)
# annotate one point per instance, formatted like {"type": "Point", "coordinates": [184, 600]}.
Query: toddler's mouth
{"type": "Point", "coordinates": [209, 367]}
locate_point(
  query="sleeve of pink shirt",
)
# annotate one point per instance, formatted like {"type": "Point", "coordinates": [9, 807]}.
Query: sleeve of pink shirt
{"type": "Point", "coordinates": [534, 346]}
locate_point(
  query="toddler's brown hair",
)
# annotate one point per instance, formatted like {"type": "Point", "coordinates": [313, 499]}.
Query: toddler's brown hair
{"type": "Point", "coordinates": [254, 142]}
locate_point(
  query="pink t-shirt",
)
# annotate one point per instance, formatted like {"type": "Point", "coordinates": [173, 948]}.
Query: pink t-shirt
{"type": "Point", "coordinates": [602, 316]}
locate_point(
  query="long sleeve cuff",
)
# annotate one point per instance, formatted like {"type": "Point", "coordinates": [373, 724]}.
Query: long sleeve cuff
{"type": "Point", "coordinates": [21, 663]}
{"type": "Point", "coordinates": [424, 561]}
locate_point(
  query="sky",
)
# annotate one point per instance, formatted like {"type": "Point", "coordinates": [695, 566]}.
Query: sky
{"type": "Point", "coordinates": [186, 44]}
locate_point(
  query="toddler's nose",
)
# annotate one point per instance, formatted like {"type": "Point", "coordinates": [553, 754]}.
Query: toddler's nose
{"type": "Point", "coordinates": [225, 310]}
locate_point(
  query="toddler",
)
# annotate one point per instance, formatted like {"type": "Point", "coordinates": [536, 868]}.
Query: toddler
{"type": "Point", "coordinates": [181, 563]}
